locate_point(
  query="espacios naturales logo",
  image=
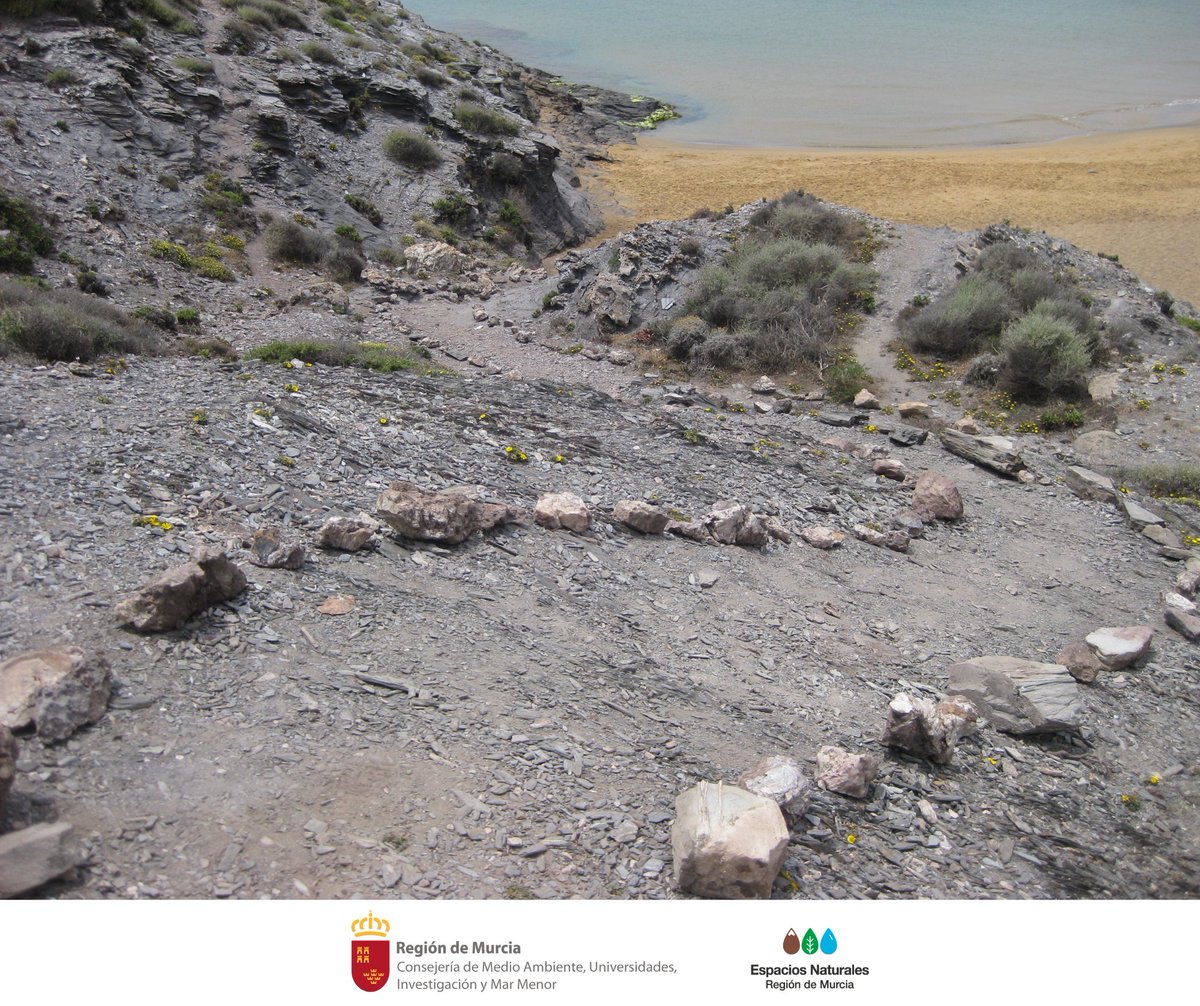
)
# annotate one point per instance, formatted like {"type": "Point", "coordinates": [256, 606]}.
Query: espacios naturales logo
{"type": "Point", "coordinates": [809, 944]}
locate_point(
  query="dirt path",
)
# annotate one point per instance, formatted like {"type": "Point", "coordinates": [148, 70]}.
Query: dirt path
{"type": "Point", "coordinates": [915, 260]}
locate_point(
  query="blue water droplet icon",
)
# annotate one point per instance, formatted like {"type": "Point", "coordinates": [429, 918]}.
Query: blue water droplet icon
{"type": "Point", "coordinates": [828, 942]}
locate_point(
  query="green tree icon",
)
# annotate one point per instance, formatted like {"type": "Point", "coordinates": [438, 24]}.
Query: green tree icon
{"type": "Point", "coordinates": [809, 944]}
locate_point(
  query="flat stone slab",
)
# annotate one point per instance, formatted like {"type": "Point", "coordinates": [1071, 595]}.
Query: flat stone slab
{"type": "Point", "coordinates": [36, 855]}
{"type": "Point", "coordinates": [1019, 696]}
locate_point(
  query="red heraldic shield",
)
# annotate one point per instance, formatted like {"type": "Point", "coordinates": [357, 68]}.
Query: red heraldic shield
{"type": "Point", "coordinates": [369, 963]}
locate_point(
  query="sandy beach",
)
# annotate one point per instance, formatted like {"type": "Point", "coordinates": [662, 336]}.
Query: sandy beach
{"type": "Point", "coordinates": [1136, 194]}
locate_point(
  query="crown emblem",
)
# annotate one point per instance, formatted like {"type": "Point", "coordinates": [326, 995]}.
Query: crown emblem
{"type": "Point", "coordinates": [370, 926]}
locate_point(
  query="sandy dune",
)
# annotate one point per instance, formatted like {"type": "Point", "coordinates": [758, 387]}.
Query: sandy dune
{"type": "Point", "coordinates": [1136, 194]}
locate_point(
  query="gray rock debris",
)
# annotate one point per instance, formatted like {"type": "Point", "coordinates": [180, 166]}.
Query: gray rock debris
{"type": "Point", "coordinates": [175, 595]}
{"type": "Point", "coordinates": [562, 510]}
{"type": "Point", "coordinates": [58, 690]}
{"type": "Point", "coordinates": [35, 855]}
{"type": "Point", "coordinates": [780, 779]}
{"type": "Point", "coordinates": [927, 730]}
{"type": "Point", "coordinates": [727, 843]}
{"type": "Point", "coordinates": [448, 516]}
{"type": "Point", "coordinates": [841, 771]}
{"type": "Point", "coordinates": [1019, 696]}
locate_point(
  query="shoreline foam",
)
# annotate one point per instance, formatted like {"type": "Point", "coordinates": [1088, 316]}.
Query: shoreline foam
{"type": "Point", "coordinates": [1134, 194]}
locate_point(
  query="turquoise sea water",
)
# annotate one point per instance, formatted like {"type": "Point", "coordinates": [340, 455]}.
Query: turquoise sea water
{"type": "Point", "coordinates": [864, 73]}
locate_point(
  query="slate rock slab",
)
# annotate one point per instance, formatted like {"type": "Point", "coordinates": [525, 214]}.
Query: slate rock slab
{"type": "Point", "coordinates": [1019, 696]}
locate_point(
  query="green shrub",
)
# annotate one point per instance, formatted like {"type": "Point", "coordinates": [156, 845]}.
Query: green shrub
{"type": "Point", "coordinates": [1062, 418]}
{"type": "Point", "coordinates": [364, 207]}
{"type": "Point", "coordinates": [348, 233]}
{"type": "Point", "coordinates": [66, 324]}
{"type": "Point", "coordinates": [411, 150]}
{"type": "Point", "coordinates": [174, 16]}
{"type": "Point", "coordinates": [795, 215]}
{"type": "Point", "coordinates": [212, 348]}
{"type": "Point", "coordinates": [212, 268]}
{"type": "Point", "coordinates": [158, 316]}
{"type": "Point", "coordinates": [269, 14]}
{"type": "Point", "coordinates": [845, 378]}
{"type": "Point", "coordinates": [479, 119]}
{"type": "Point", "coordinates": [430, 77]}
{"type": "Point", "coordinates": [1030, 285]}
{"type": "Point", "coordinates": [188, 317]}
{"type": "Point", "coordinates": [319, 53]}
{"type": "Point", "coordinates": [287, 241]}
{"type": "Point", "coordinates": [343, 263]}
{"type": "Point", "coordinates": [963, 322]}
{"type": "Point", "coordinates": [22, 234]}
{"type": "Point", "coordinates": [453, 208]}
{"type": "Point", "coordinates": [1043, 356]}
{"type": "Point", "coordinates": [61, 77]}
{"type": "Point", "coordinates": [192, 65]}
{"type": "Point", "coordinates": [173, 252]}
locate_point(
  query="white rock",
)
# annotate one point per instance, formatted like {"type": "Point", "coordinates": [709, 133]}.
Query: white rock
{"type": "Point", "coordinates": [727, 843]}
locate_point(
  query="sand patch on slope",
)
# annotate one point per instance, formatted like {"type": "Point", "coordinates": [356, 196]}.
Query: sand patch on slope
{"type": "Point", "coordinates": [1136, 195]}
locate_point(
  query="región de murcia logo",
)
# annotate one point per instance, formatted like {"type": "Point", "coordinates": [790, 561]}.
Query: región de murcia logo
{"type": "Point", "coordinates": [369, 952]}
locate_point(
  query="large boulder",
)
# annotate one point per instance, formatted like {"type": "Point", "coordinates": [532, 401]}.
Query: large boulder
{"type": "Point", "coordinates": [1019, 696]}
{"type": "Point", "coordinates": [57, 690]}
{"type": "Point", "coordinates": [936, 497]}
{"type": "Point", "coordinates": [562, 510]}
{"type": "Point", "coordinates": [727, 843]}
{"type": "Point", "coordinates": [927, 730]}
{"type": "Point", "coordinates": [447, 516]}
{"type": "Point", "coordinates": [175, 595]}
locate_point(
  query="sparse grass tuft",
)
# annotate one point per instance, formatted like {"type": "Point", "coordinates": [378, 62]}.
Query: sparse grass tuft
{"type": "Point", "coordinates": [287, 241]}
{"type": "Point", "coordinates": [479, 119]}
{"type": "Point", "coordinates": [370, 355]}
{"type": "Point", "coordinates": [411, 150]}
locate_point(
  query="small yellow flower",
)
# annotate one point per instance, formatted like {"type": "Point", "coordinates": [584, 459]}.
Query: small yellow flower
{"type": "Point", "coordinates": [558, 459]}
{"type": "Point", "coordinates": [851, 838]}
{"type": "Point", "coordinates": [871, 428]}
{"type": "Point", "coordinates": [383, 420]}
{"type": "Point", "coordinates": [291, 388]}
{"type": "Point", "coordinates": [1154, 779]}
{"type": "Point", "coordinates": [483, 415]}
{"type": "Point", "coordinates": [288, 365]}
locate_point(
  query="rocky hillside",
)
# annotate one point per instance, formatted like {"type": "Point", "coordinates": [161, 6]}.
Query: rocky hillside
{"type": "Point", "coordinates": [397, 563]}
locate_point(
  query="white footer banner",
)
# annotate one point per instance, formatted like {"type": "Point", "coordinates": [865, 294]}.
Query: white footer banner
{"type": "Point", "coordinates": [585, 952]}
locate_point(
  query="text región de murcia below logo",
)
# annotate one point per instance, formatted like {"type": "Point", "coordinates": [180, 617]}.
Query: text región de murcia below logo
{"type": "Point", "coordinates": [370, 952]}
